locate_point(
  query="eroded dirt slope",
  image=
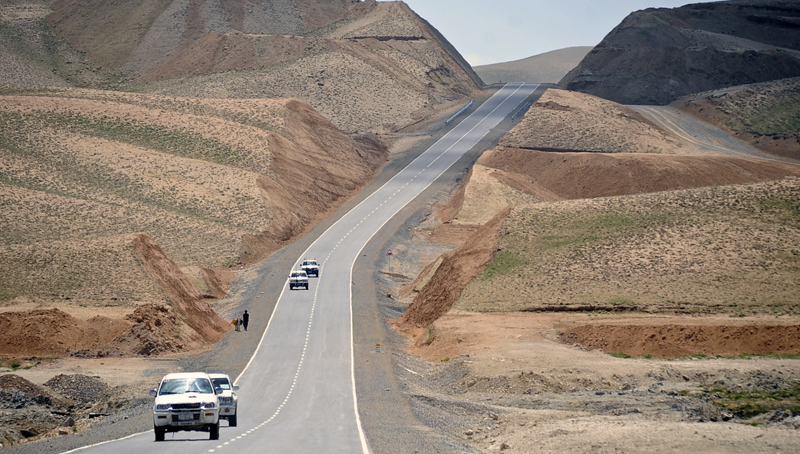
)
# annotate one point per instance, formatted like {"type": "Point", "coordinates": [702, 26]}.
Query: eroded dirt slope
{"type": "Point", "coordinates": [94, 181]}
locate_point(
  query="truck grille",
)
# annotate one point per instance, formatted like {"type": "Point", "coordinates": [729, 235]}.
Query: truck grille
{"type": "Point", "coordinates": [191, 406]}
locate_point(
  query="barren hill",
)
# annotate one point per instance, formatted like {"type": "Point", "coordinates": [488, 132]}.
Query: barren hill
{"type": "Point", "coordinates": [381, 71]}
{"type": "Point", "coordinates": [549, 67]}
{"type": "Point", "coordinates": [604, 215]}
{"type": "Point", "coordinates": [213, 182]}
{"type": "Point", "coordinates": [658, 55]}
{"type": "Point", "coordinates": [366, 66]}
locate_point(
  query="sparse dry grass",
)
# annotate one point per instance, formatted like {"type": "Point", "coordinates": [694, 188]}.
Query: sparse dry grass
{"type": "Point", "coordinates": [765, 109]}
{"type": "Point", "coordinates": [730, 250]}
{"type": "Point", "coordinates": [569, 121]}
{"type": "Point", "coordinates": [81, 171]}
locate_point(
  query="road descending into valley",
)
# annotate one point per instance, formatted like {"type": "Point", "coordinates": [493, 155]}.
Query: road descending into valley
{"type": "Point", "coordinates": [297, 393]}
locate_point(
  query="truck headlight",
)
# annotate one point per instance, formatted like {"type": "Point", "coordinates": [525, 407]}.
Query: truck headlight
{"type": "Point", "coordinates": [162, 407]}
{"type": "Point", "coordinates": [210, 405]}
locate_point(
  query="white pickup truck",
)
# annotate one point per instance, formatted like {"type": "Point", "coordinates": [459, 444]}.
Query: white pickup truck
{"type": "Point", "coordinates": [311, 267]}
{"type": "Point", "coordinates": [298, 279]}
{"type": "Point", "coordinates": [186, 401]}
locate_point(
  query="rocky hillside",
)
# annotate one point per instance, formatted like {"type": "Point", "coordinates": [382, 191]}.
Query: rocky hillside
{"type": "Point", "coordinates": [549, 67]}
{"type": "Point", "coordinates": [366, 66]}
{"type": "Point", "coordinates": [658, 55]}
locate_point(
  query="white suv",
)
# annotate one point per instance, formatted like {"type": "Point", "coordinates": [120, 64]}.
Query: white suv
{"type": "Point", "coordinates": [228, 402]}
{"type": "Point", "coordinates": [186, 401]}
{"type": "Point", "coordinates": [310, 266]}
{"type": "Point", "coordinates": [298, 279]}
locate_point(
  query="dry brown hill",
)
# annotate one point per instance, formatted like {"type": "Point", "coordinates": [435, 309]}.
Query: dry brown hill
{"type": "Point", "coordinates": [582, 232]}
{"type": "Point", "coordinates": [213, 182]}
{"type": "Point", "coordinates": [549, 67]}
{"type": "Point", "coordinates": [658, 55]}
{"type": "Point", "coordinates": [380, 71]}
{"type": "Point", "coordinates": [366, 66]}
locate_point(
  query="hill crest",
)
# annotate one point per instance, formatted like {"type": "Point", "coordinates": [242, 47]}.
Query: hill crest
{"type": "Point", "coordinates": [658, 55]}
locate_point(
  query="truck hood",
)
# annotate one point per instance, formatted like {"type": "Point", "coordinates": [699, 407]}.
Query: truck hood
{"type": "Point", "coordinates": [187, 398]}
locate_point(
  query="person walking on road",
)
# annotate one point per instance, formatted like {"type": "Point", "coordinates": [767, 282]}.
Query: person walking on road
{"type": "Point", "coordinates": [245, 320]}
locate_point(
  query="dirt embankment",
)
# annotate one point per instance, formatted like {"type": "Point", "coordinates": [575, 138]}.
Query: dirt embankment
{"type": "Point", "coordinates": [188, 304]}
{"type": "Point", "coordinates": [52, 332]}
{"type": "Point", "coordinates": [634, 278]}
{"type": "Point", "coordinates": [455, 271]}
{"type": "Point", "coordinates": [675, 341]}
{"type": "Point", "coordinates": [187, 323]}
{"type": "Point", "coordinates": [565, 176]}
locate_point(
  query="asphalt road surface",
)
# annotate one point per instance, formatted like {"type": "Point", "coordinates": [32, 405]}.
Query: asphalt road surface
{"type": "Point", "coordinates": [297, 394]}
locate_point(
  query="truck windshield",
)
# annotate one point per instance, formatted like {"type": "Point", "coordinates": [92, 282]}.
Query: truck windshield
{"type": "Point", "coordinates": [186, 385]}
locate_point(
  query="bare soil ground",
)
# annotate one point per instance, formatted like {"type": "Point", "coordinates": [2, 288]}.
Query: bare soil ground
{"type": "Point", "coordinates": [627, 295]}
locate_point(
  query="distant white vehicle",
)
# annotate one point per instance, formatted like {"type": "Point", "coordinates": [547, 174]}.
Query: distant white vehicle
{"type": "Point", "coordinates": [228, 401]}
{"type": "Point", "coordinates": [311, 267]}
{"type": "Point", "coordinates": [298, 279]}
{"type": "Point", "coordinates": [186, 401]}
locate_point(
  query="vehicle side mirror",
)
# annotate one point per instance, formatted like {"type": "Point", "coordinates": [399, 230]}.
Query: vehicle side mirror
{"type": "Point", "coordinates": [235, 387]}
{"type": "Point", "coordinates": [218, 390]}
{"type": "Point", "coordinates": [153, 391]}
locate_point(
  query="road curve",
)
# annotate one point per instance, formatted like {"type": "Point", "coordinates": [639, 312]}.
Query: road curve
{"type": "Point", "coordinates": [297, 393]}
{"type": "Point", "coordinates": [702, 136]}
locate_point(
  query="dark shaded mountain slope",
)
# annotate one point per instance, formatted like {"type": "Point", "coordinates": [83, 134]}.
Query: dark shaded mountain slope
{"type": "Point", "coordinates": [658, 55]}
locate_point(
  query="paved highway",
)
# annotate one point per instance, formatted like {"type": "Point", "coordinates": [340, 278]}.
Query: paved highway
{"type": "Point", "coordinates": [297, 394]}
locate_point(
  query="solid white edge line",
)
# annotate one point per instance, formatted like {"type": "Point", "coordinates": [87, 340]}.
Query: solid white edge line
{"type": "Point", "coordinates": [104, 442]}
{"type": "Point", "coordinates": [364, 447]}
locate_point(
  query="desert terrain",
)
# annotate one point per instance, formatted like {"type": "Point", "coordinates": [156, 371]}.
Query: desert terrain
{"type": "Point", "coordinates": [549, 67]}
{"type": "Point", "coordinates": [594, 283]}
{"type": "Point", "coordinates": [627, 291]}
{"type": "Point", "coordinates": [657, 55]}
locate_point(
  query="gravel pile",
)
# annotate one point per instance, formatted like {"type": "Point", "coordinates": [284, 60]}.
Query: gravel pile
{"type": "Point", "coordinates": [80, 388]}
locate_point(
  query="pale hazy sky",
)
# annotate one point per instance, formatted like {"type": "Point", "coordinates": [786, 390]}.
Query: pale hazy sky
{"type": "Point", "coordinates": [493, 31]}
